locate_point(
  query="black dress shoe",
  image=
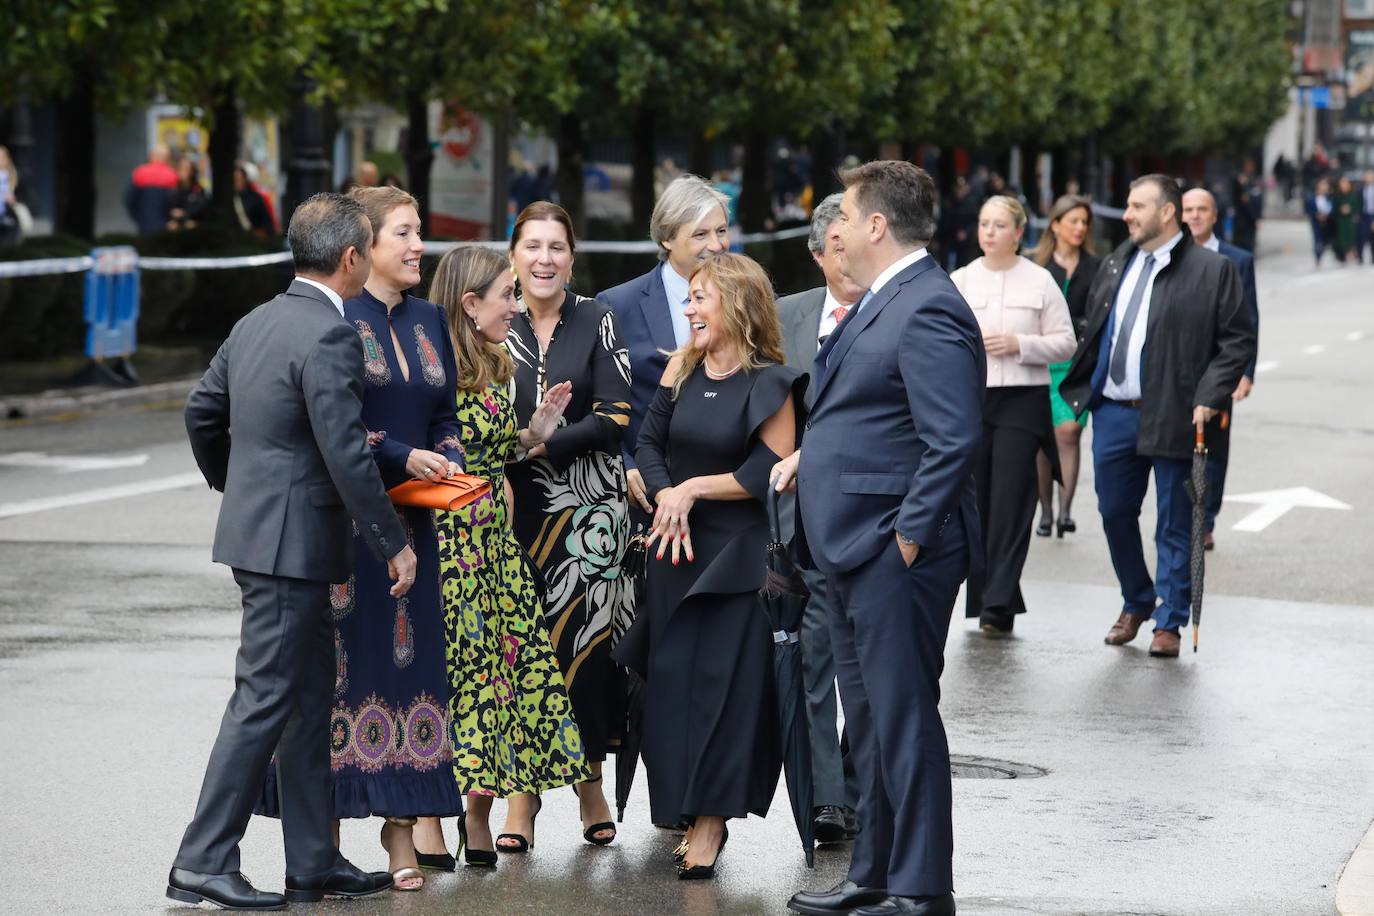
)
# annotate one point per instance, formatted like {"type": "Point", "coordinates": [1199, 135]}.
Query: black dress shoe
{"type": "Point", "coordinates": [910, 906]}
{"type": "Point", "coordinates": [832, 826]}
{"type": "Point", "coordinates": [343, 880]}
{"type": "Point", "coordinates": [841, 898]}
{"type": "Point", "coordinates": [229, 892]}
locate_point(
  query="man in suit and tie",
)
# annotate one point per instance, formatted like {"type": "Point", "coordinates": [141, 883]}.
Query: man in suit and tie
{"type": "Point", "coordinates": [808, 318]}
{"type": "Point", "coordinates": [1167, 341]}
{"type": "Point", "coordinates": [276, 426]}
{"type": "Point", "coordinates": [884, 480]}
{"type": "Point", "coordinates": [689, 222]}
{"type": "Point", "coordinates": [1200, 216]}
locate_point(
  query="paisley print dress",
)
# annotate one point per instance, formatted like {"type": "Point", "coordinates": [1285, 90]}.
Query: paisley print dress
{"type": "Point", "coordinates": [513, 729]}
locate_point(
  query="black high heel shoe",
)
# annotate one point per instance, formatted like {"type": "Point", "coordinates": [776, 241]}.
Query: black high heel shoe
{"type": "Point", "coordinates": [520, 844]}
{"type": "Point", "coordinates": [687, 872]}
{"type": "Point", "coordinates": [590, 834]}
{"type": "Point", "coordinates": [1044, 528]}
{"type": "Point", "coordinates": [1064, 526]}
{"type": "Point", "coordinates": [479, 858]}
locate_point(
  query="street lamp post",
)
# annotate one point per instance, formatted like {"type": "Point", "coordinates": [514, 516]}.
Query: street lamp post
{"type": "Point", "coordinates": [308, 170]}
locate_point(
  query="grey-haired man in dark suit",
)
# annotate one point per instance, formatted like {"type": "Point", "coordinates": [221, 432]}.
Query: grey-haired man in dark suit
{"type": "Point", "coordinates": [276, 425]}
{"type": "Point", "coordinates": [808, 318]}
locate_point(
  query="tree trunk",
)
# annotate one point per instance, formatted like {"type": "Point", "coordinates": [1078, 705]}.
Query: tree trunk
{"type": "Point", "coordinates": [824, 144]}
{"type": "Point", "coordinates": [643, 159]}
{"type": "Point", "coordinates": [307, 169]}
{"type": "Point", "coordinates": [76, 185]}
{"type": "Point", "coordinates": [419, 156]}
{"type": "Point", "coordinates": [701, 155]}
{"type": "Point", "coordinates": [224, 152]}
{"type": "Point", "coordinates": [571, 183]}
{"type": "Point", "coordinates": [755, 207]}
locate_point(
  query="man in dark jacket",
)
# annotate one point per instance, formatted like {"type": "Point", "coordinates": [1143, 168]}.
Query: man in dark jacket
{"type": "Point", "coordinates": [149, 195]}
{"type": "Point", "coordinates": [1167, 341]}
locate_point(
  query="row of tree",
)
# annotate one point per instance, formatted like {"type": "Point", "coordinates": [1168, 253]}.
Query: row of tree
{"type": "Point", "coordinates": [1169, 76]}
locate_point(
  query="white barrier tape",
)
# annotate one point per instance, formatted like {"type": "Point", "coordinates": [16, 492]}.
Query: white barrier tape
{"type": "Point", "coordinates": [45, 266]}
{"type": "Point", "coordinates": [1040, 222]}
{"type": "Point", "coordinates": [250, 260]}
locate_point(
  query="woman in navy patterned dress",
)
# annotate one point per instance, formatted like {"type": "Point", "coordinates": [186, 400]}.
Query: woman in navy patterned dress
{"type": "Point", "coordinates": [391, 750]}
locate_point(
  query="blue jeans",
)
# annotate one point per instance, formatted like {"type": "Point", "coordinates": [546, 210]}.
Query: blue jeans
{"type": "Point", "coordinates": [1122, 479]}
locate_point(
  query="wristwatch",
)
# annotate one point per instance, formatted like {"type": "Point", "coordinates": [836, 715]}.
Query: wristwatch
{"type": "Point", "coordinates": [906, 541]}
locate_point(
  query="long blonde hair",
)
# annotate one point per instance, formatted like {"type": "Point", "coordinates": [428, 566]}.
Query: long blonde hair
{"type": "Point", "coordinates": [749, 315]}
{"type": "Point", "coordinates": [481, 363]}
{"type": "Point", "coordinates": [1063, 206]}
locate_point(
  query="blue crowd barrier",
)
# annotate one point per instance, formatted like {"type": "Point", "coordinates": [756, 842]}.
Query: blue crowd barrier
{"type": "Point", "coordinates": [111, 308]}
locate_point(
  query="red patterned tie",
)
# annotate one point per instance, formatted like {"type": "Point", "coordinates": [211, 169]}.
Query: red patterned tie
{"type": "Point", "coordinates": [839, 312]}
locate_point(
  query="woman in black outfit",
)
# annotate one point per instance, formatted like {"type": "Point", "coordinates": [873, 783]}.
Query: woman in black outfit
{"type": "Point", "coordinates": [726, 410]}
{"type": "Point", "coordinates": [1066, 251]}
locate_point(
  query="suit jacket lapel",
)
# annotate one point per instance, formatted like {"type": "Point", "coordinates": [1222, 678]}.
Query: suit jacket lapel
{"type": "Point", "coordinates": [654, 304]}
{"type": "Point", "coordinates": [808, 325]}
{"type": "Point", "coordinates": [833, 353]}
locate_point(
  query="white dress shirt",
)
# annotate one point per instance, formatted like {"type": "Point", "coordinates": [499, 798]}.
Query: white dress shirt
{"type": "Point", "coordinates": [895, 268]}
{"type": "Point", "coordinates": [675, 288]}
{"type": "Point", "coordinates": [828, 317]}
{"type": "Point", "coordinates": [1212, 244]}
{"type": "Point", "coordinates": [1129, 389]}
{"type": "Point", "coordinates": [333, 296]}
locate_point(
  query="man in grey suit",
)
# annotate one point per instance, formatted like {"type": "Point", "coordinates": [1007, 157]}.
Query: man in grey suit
{"type": "Point", "coordinates": [808, 318]}
{"type": "Point", "coordinates": [285, 390]}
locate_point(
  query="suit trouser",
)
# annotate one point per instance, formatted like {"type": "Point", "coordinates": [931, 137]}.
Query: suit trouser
{"type": "Point", "coordinates": [283, 686]}
{"type": "Point", "coordinates": [1122, 478]}
{"type": "Point", "coordinates": [818, 676]}
{"type": "Point", "coordinates": [1007, 482]}
{"type": "Point", "coordinates": [888, 629]}
{"type": "Point", "coordinates": [1216, 479]}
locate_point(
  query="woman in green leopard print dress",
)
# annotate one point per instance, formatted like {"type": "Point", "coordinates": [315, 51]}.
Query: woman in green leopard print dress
{"type": "Point", "coordinates": [512, 721]}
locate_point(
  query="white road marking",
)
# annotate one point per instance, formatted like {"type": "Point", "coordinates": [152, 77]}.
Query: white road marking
{"type": "Point", "coordinates": [1268, 365]}
{"type": "Point", "coordinates": [1274, 504]}
{"type": "Point", "coordinates": [143, 487]}
{"type": "Point", "coordinates": [65, 464]}
{"type": "Point", "coordinates": [1355, 336]}
{"type": "Point", "coordinates": [1314, 350]}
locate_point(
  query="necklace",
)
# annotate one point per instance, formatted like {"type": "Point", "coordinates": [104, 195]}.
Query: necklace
{"type": "Point", "coordinates": [719, 376]}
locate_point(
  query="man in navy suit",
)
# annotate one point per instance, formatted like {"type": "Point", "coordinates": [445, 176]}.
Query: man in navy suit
{"type": "Point", "coordinates": [1200, 213]}
{"type": "Point", "coordinates": [887, 512]}
{"type": "Point", "coordinates": [689, 222]}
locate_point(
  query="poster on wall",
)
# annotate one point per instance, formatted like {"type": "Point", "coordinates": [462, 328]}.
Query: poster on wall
{"type": "Point", "coordinates": [187, 138]}
{"type": "Point", "coordinates": [460, 182]}
{"type": "Point", "coordinates": [1359, 74]}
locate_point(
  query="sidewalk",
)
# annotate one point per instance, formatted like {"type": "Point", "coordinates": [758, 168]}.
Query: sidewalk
{"type": "Point", "coordinates": [1355, 893]}
{"type": "Point", "coordinates": [66, 403]}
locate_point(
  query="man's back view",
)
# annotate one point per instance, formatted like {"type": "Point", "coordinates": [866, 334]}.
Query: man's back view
{"type": "Point", "coordinates": [285, 391]}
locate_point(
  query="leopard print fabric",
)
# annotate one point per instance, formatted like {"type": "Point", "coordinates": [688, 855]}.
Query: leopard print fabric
{"type": "Point", "coordinates": [512, 721]}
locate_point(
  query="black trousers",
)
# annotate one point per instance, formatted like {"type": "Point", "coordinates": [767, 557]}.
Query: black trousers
{"type": "Point", "coordinates": [283, 687]}
{"type": "Point", "coordinates": [1015, 423]}
{"type": "Point", "coordinates": [888, 627]}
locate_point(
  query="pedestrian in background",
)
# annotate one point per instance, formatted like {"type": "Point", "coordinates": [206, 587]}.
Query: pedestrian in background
{"type": "Point", "coordinates": [1200, 216]}
{"type": "Point", "coordinates": [1025, 324]}
{"type": "Point", "coordinates": [1167, 342]}
{"type": "Point", "coordinates": [190, 200]}
{"type": "Point", "coordinates": [148, 198]}
{"type": "Point", "coordinates": [1318, 207]}
{"type": "Point", "coordinates": [726, 410]}
{"type": "Point", "coordinates": [808, 319]}
{"type": "Point", "coordinates": [571, 511]}
{"type": "Point", "coordinates": [513, 726]}
{"type": "Point", "coordinates": [1066, 251]}
{"type": "Point", "coordinates": [9, 184]}
{"type": "Point", "coordinates": [390, 651]}
{"type": "Point", "coordinates": [288, 384]}
{"type": "Point", "coordinates": [1247, 208]}
{"type": "Point", "coordinates": [690, 222]}
{"type": "Point", "coordinates": [1345, 218]}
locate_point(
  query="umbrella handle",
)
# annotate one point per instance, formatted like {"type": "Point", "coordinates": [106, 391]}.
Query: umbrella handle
{"type": "Point", "coordinates": [1200, 445]}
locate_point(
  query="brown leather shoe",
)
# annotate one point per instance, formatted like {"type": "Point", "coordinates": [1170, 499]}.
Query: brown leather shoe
{"type": "Point", "coordinates": [1165, 644]}
{"type": "Point", "coordinates": [1125, 628]}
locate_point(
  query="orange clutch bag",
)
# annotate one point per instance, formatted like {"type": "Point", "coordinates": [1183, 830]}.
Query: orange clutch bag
{"type": "Point", "coordinates": [448, 493]}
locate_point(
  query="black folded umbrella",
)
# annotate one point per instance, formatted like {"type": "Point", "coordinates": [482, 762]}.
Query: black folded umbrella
{"type": "Point", "coordinates": [784, 599]}
{"type": "Point", "coordinates": [1197, 492]}
{"type": "Point", "coordinates": [627, 755]}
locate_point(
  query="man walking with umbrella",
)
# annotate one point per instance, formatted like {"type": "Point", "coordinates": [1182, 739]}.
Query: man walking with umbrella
{"type": "Point", "coordinates": [887, 509]}
{"type": "Point", "coordinates": [1167, 341]}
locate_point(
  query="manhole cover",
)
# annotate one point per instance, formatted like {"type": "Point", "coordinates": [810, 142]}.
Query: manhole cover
{"type": "Point", "coordinates": [963, 766]}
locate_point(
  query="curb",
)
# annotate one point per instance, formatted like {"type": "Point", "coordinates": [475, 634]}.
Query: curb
{"type": "Point", "coordinates": [1355, 891]}
{"type": "Point", "coordinates": [77, 401]}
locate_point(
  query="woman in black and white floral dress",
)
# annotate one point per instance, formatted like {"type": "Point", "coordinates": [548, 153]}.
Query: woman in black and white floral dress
{"type": "Point", "coordinates": [571, 510]}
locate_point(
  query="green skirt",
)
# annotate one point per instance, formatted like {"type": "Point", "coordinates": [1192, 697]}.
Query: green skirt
{"type": "Point", "coordinates": [1060, 411]}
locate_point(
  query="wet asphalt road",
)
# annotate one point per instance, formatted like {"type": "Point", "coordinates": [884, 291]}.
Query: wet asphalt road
{"type": "Point", "coordinates": [1234, 781]}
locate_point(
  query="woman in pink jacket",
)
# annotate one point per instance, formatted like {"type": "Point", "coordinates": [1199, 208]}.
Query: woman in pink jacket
{"type": "Point", "coordinates": [1026, 326]}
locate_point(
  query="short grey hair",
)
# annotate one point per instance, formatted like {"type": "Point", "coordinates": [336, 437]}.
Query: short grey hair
{"type": "Point", "coordinates": [821, 218]}
{"type": "Point", "coordinates": [322, 230]}
{"type": "Point", "coordinates": [686, 201]}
